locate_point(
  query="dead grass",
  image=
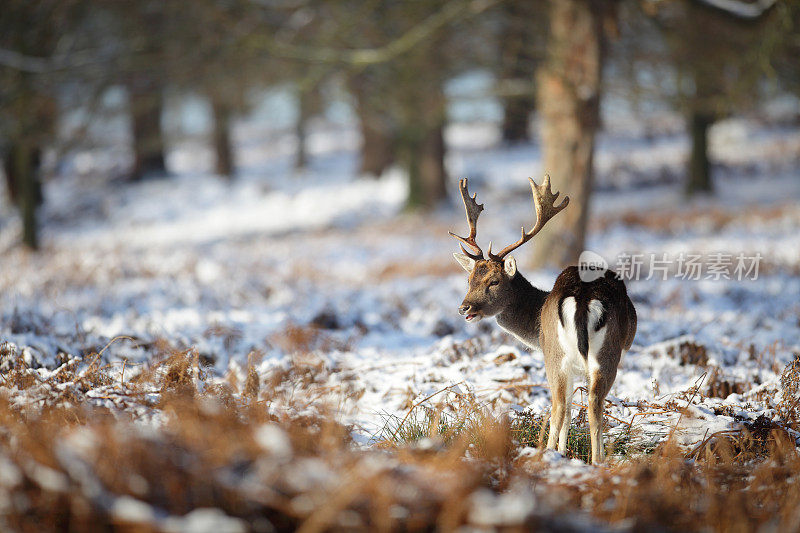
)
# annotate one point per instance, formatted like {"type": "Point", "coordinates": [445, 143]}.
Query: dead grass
{"type": "Point", "coordinates": [689, 353]}
{"type": "Point", "coordinates": [78, 444]}
{"type": "Point", "coordinates": [415, 269]}
{"type": "Point", "coordinates": [722, 489]}
{"type": "Point", "coordinates": [709, 218]}
{"type": "Point", "coordinates": [721, 386]}
{"type": "Point", "coordinates": [789, 407]}
{"type": "Point", "coordinates": [317, 335]}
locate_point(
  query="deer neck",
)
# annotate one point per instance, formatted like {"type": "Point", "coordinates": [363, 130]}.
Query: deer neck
{"type": "Point", "coordinates": [522, 315]}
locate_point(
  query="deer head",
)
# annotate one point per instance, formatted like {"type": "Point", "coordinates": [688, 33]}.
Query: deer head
{"type": "Point", "coordinates": [490, 279]}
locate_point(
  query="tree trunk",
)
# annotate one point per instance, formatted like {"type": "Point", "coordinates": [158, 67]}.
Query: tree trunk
{"type": "Point", "coordinates": [307, 106]}
{"type": "Point", "coordinates": [377, 149]}
{"type": "Point", "coordinates": [569, 97]}
{"type": "Point", "coordinates": [516, 117]}
{"type": "Point", "coordinates": [9, 162]}
{"type": "Point", "coordinates": [223, 147]}
{"type": "Point", "coordinates": [148, 141]}
{"type": "Point", "coordinates": [707, 79]}
{"type": "Point", "coordinates": [432, 172]}
{"type": "Point", "coordinates": [28, 191]}
{"type": "Point", "coordinates": [377, 140]}
{"type": "Point", "coordinates": [699, 166]}
{"type": "Point", "coordinates": [424, 162]}
{"type": "Point", "coordinates": [13, 181]}
{"type": "Point", "coordinates": [518, 64]}
{"type": "Point", "coordinates": [410, 147]}
{"type": "Point", "coordinates": [422, 139]}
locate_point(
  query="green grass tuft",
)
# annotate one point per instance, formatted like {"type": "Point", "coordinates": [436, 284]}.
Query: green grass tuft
{"type": "Point", "coordinates": [422, 422]}
{"type": "Point", "coordinates": [530, 429]}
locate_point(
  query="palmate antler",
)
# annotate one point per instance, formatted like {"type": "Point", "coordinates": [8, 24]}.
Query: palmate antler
{"type": "Point", "coordinates": [544, 202]}
{"type": "Point", "coordinates": [473, 211]}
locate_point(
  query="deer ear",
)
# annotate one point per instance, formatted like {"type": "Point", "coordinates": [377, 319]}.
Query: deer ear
{"type": "Point", "coordinates": [510, 266]}
{"type": "Point", "coordinates": [467, 263]}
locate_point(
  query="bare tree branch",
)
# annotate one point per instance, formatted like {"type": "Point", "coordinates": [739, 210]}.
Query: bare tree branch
{"type": "Point", "coordinates": [740, 9]}
{"type": "Point", "coordinates": [43, 65]}
{"type": "Point", "coordinates": [17, 61]}
{"type": "Point", "coordinates": [371, 56]}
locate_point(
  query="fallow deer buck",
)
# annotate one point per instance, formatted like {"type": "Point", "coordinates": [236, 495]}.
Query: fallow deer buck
{"type": "Point", "coordinates": [581, 327]}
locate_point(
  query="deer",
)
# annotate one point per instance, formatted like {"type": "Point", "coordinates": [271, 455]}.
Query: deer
{"type": "Point", "coordinates": [582, 327]}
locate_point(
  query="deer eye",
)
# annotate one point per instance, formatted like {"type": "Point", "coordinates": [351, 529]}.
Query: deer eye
{"type": "Point", "coordinates": [493, 283]}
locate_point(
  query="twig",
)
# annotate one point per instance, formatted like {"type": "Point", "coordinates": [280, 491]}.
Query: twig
{"type": "Point", "coordinates": [112, 341]}
{"type": "Point", "coordinates": [645, 413]}
{"type": "Point", "coordinates": [394, 434]}
{"type": "Point", "coordinates": [696, 389]}
{"type": "Point", "coordinates": [705, 441]}
{"type": "Point", "coordinates": [604, 413]}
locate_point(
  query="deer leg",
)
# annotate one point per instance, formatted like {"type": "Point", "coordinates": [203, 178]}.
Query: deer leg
{"type": "Point", "coordinates": [564, 433]}
{"type": "Point", "coordinates": [598, 389]}
{"type": "Point", "coordinates": [558, 392]}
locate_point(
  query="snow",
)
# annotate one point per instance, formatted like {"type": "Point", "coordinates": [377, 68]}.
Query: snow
{"type": "Point", "coordinates": [127, 509]}
{"type": "Point", "coordinates": [488, 509]}
{"type": "Point", "coordinates": [228, 269]}
{"type": "Point", "coordinates": [204, 521]}
{"type": "Point", "coordinates": [10, 476]}
{"type": "Point", "coordinates": [275, 441]}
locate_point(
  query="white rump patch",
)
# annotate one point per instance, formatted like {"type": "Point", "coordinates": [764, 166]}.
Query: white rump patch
{"type": "Point", "coordinates": [573, 362]}
{"type": "Point", "coordinates": [595, 313]}
{"type": "Point", "coordinates": [596, 338]}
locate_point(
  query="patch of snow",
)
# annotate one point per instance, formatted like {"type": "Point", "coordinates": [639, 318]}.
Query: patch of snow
{"type": "Point", "coordinates": [127, 509]}
{"type": "Point", "coordinates": [204, 520]}
{"type": "Point", "coordinates": [275, 441]}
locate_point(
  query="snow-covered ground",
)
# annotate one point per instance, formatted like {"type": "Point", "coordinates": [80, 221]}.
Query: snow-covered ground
{"type": "Point", "coordinates": [324, 268]}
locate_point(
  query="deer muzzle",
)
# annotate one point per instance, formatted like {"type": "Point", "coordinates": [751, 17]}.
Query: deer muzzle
{"type": "Point", "coordinates": [469, 312]}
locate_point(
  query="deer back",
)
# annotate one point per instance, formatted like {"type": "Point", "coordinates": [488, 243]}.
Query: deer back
{"type": "Point", "coordinates": [616, 313]}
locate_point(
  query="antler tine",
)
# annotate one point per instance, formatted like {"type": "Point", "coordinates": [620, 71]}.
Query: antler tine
{"type": "Point", "coordinates": [544, 201]}
{"type": "Point", "coordinates": [473, 209]}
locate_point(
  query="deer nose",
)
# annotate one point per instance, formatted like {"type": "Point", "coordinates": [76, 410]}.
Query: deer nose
{"type": "Point", "coordinates": [464, 309]}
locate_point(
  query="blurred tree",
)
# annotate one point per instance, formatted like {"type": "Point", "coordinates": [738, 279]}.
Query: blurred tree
{"type": "Point", "coordinates": [719, 52]}
{"type": "Point", "coordinates": [183, 48]}
{"type": "Point", "coordinates": [521, 45]}
{"type": "Point", "coordinates": [420, 113]}
{"type": "Point", "coordinates": [142, 30]}
{"type": "Point", "coordinates": [146, 95]}
{"type": "Point", "coordinates": [410, 89]}
{"type": "Point", "coordinates": [378, 143]}
{"type": "Point", "coordinates": [292, 33]}
{"type": "Point", "coordinates": [369, 87]}
{"type": "Point", "coordinates": [209, 54]}
{"type": "Point", "coordinates": [368, 26]}
{"type": "Point", "coordinates": [785, 43]}
{"type": "Point", "coordinates": [203, 47]}
{"type": "Point", "coordinates": [569, 102]}
{"type": "Point", "coordinates": [309, 104]}
{"type": "Point", "coordinates": [309, 23]}
{"type": "Point", "coordinates": [31, 46]}
{"type": "Point", "coordinates": [399, 56]}
{"type": "Point", "coordinates": [222, 116]}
